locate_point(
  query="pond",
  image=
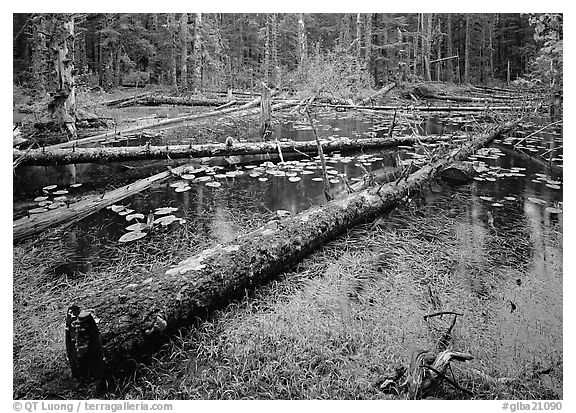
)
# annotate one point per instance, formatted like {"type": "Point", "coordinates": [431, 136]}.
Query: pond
{"type": "Point", "coordinates": [517, 199]}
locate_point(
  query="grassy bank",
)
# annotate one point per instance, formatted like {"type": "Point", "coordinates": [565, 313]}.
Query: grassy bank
{"type": "Point", "coordinates": [334, 325]}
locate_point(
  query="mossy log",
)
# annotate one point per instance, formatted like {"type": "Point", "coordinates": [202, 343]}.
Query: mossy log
{"type": "Point", "coordinates": [137, 317]}
{"type": "Point", "coordinates": [116, 102]}
{"type": "Point", "coordinates": [458, 173]}
{"type": "Point", "coordinates": [128, 153]}
{"type": "Point", "coordinates": [179, 100]}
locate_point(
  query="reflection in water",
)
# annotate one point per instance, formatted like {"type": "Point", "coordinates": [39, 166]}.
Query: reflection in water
{"type": "Point", "coordinates": [508, 271]}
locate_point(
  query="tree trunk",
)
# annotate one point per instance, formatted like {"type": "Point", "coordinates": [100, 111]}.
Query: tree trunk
{"type": "Point", "coordinates": [172, 29]}
{"type": "Point", "coordinates": [265, 113]}
{"type": "Point", "coordinates": [467, 46]}
{"type": "Point", "coordinates": [121, 154]}
{"type": "Point", "coordinates": [302, 50]}
{"type": "Point", "coordinates": [426, 44]}
{"type": "Point", "coordinates": [449, 48]}
{"type": "Point", "coordinates": [415, 40]}
{"type": "Point", "coordinates": [439, 49]}
{"type": "Point", "coordinates": [184, 51]}
{"type": "Point", "coordinates": [275, 65]}
{"type": "Point", "coordinates": [39, 52]}
{"type": "Point", "coordinates": [368, 40]}
{"type": "Point", "coordinates": [198, 52]}
{"type": "Point", "coordinates": [381, 92]}
{"type": "Point", "coordinates": [61, 82]}
{"type": "Point", "coordinates": [139, 318]}
{"type": "Point", "coordinates": [358, 44]}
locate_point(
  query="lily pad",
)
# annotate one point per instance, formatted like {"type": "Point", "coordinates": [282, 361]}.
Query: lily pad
{"type": "Point", "coordinates": [294, 178]}
{"type": "Point", "coordinates": [139, 226]}
{"type": "Point", "coordinates": [61, 198]}
{"type": "Point", "coordinates": [214, 184]}
{"type": "Point", "coordinates": [263, 179]}
{"type": "Point", "coordinates": [117, 208]}
{"type": "Point", "coordinates": [165, 210]}
{"type": "Point", "coordinates": [166, 220]}
{"type": "Point", "coordinates": [188, 176]}
{"type": "Point", "coordinates": [486, 198]}
{"type": "Point", "coordinates": [60, 192]}
{"type": "Point", "coordinates": [50, 187]}
{"type": "Point", "coordinates": [536, 200]}
{"type": "Point", "coordinates": [553, 186]}
{"type": "Point", "coordinates": [182, 188]}
{"type": "Point", "coordinates": [553, 210]}
{"type": "Point", "coordinates": [75, 185]}
{"type": "Point", "coordinates": [317, 179]}
{"type": "Point", "coordinates": [125, 212]}
{"type": "Point", "coordinates": [40, 198]}
{"type": "Point", "coordinates": [132, 236]}
{"type": "Point", "coordinates": [130, 217]}
{"type": "Point", "coordinates": [497, 204]}
{"type": "Point", "coordinates": [55, 205]}
{"type": "Point", "coordinates": [37, 210]}
{"type": "Point", "coordinates": [178, 184]}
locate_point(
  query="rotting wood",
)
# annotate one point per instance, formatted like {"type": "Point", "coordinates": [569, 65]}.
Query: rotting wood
{"type": "Point", "coordinates": [244, 109]}
{"type": "Point", "coordinates": [179, 100]}
{"type": "Point", "coordinates": [27, 227]}
{"type": "Point", "coordinates": [127, 153]}
{"type": "Point", "coordinates": [127, 99]}
{"type": "Point", "coordinates": [129, 315]}
{"type": "Point", "coordinates": [381, 92]}
{"type": "Point", "coordinates": [429, 108]}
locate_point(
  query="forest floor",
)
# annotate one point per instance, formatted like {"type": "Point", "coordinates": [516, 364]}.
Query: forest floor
{"type": "Point", "coordinates": [330, 328]}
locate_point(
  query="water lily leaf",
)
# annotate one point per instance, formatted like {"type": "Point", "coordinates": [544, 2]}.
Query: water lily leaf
{"type": "Point", "coordinates": [44, 203]}
{"type": "Point", "coordinates": [55, 205]}
{"type": "Point", "coordinates": [188, 177]}
{"type": "Point", "coordinates": [125, 212]}
{"type": "Point", "coordinates": [497, 204]}
{"type": "Point", "coordinates": [132, 236]}
{"type": "Point", "coordinates": [214, 184]}
{"type": "Point", "coordinates": [553, 186]}
{"type": "Point", "coordinates": [317, 179]}
{"type": "Point", "coordinates": [553, 210]}
{"type": "Point", "coordinates": [50, 187]}
{"type": "Point", "coordinates": [165, 210]}
{"type": "Point", "coordinates": [166, 220]}
{"type": "Point", "coordinates": [61, 198]}
{"type": "Point", "coordinates": [294, 178]}
{"type": "Point", "coordinates": [130, 217]}
{"type": "Point", "coordinates": [263, 179]}
{"type": "Point", "coordinates": [37, 210]}
{"type": "Point", "coordinates": [203, 179]}
{"type": "Point", "coordinates": [139, 226]}
{"type": "Point", "coordinates": [117, 208]}
{"type": "Point", "coordinates": [182, 188]}
{"type": "Point", "coordinates": [40, 198]}
{"type": "Point", "coordinates": [334, 181]}
{"type": "Point", "coordinates": [178, 184]}
{"type": "Point", "coordinates": [510, 198]}
{"type": "Point", "coordinates": [75, 185]}
{"type": "Point", "coordinates": [536, 200]}
{"type": "Point", "coordinates": [486, 198]}
{"type": "Point", "coordinates": [60, 192]}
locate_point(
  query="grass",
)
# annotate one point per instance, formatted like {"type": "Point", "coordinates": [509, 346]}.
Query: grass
{"type": "Point", "coordinates": [331, 327]}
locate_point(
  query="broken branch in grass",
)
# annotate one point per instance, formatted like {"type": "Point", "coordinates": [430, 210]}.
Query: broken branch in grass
{"type": "Point", "coordinates": [441, 313]}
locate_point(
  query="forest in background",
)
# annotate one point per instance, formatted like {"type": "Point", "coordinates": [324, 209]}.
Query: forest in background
{"type": "Point", "coordinates": [196, 51]}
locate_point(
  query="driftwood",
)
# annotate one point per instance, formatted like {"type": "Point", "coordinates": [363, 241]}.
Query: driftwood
{"type": "Point", "coordinates": [27, 227]}
{"type": "Point", "coordinates": [244, 109]}
{"type": "Point", "coordinates": [131, 153]}
{"type": "Point", "coordinates": [137, 317]}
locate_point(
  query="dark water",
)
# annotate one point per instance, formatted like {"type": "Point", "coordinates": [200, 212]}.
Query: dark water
{"type": "Point", "coordinates": [518, 199]}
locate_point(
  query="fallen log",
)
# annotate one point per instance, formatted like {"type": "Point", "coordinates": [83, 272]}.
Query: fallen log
{"type": "Point", "coordinates": [131, 153]}
{"type": "Point", "coordinates": [381, 92]}
{"type": "Point", "coordinates": [115, 102]}
{"type": "Point", "coordinates": [428, 108]}
{"type": "Point", "coordinates": [27, 227]}
{"type": "Point", "coordinates": [136, 318]}
{"type": "Point", "coordinates": [158, 125]}
{"type": "Point", "coordinates": [179, 100]}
